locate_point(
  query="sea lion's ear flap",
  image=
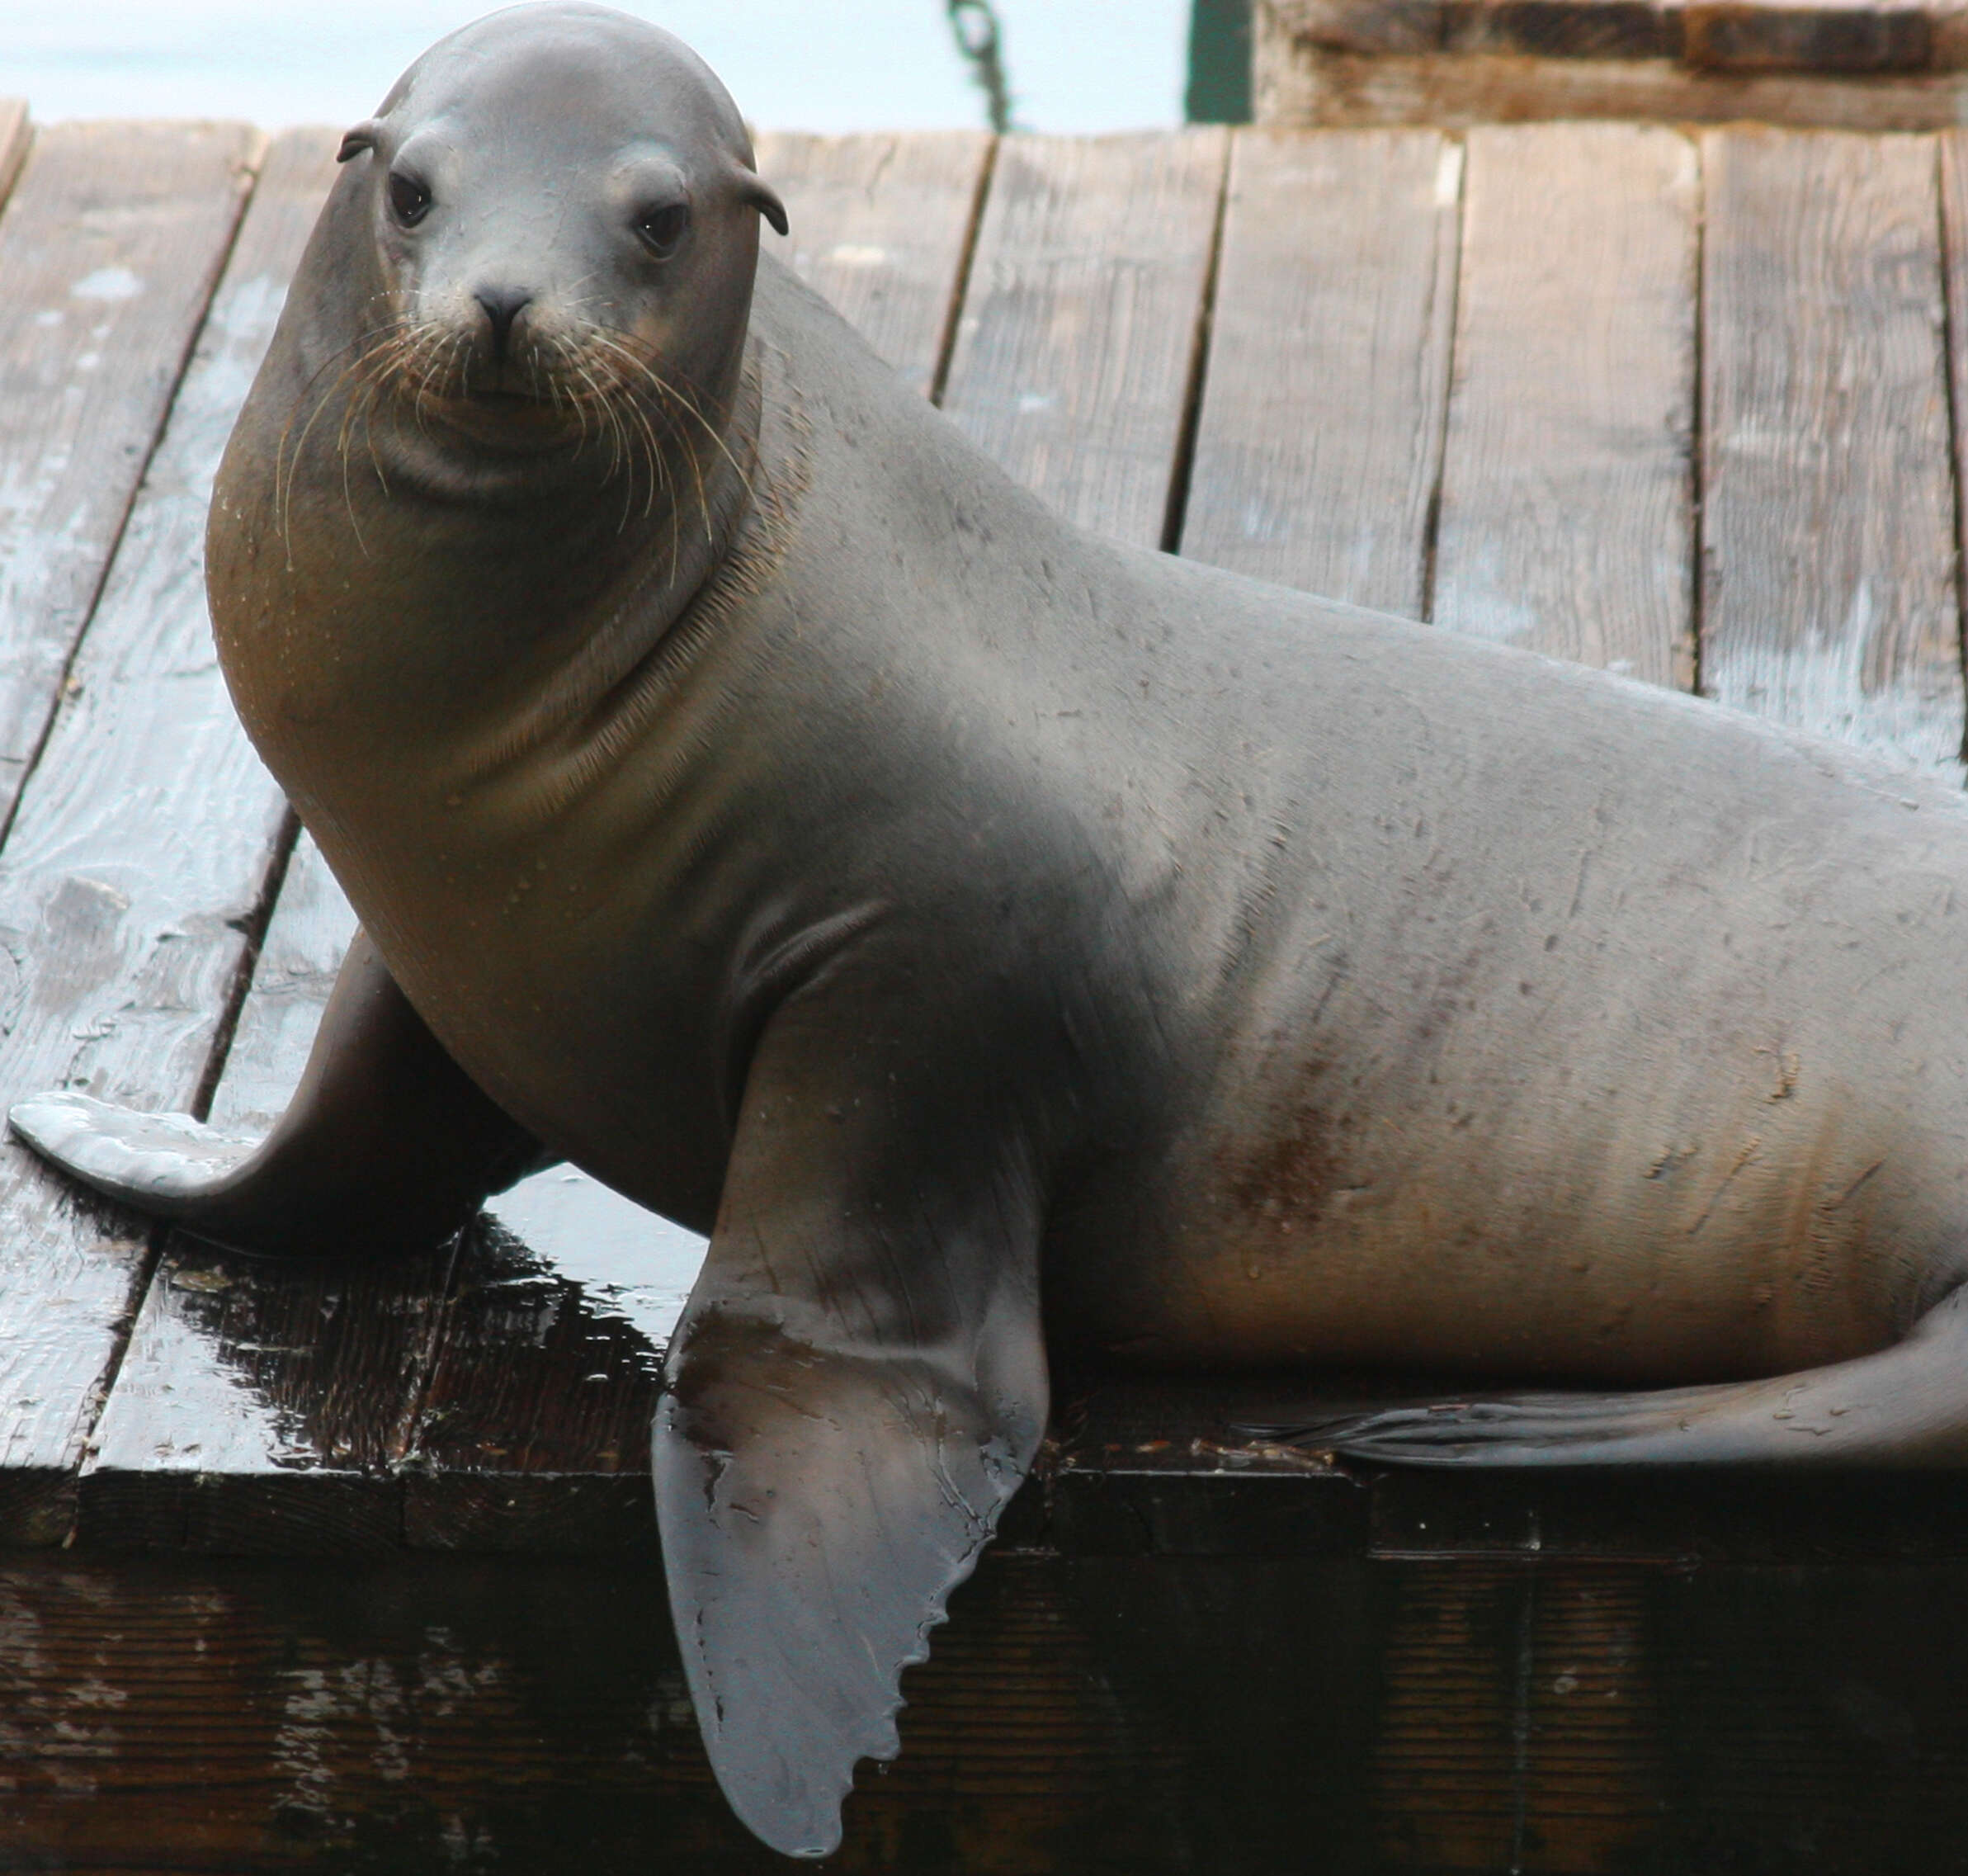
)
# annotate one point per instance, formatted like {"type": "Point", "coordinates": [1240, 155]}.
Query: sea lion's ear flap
{"type": "Point", "coordinates": [767, 204]}
{"type": "Point", "coordinates": [833, 1447]}
{"type": "Point", "coordinates": [354, 142]}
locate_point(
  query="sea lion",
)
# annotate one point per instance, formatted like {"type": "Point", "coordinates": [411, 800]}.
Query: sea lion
{"type": "Point", "coordinates": [753, 796]}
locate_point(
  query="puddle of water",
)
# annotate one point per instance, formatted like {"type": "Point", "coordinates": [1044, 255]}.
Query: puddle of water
{"type": "Point", "coordinates": [624, 1257]}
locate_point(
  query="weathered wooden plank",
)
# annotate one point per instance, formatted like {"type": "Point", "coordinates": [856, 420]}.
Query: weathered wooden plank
{"type": "Point", "coordinates": [1318, 444]}
{"type": "Point", "coordinates": [1827, 587]}
{"type": "Point", "coordinates": [1567, 496]}
{"type": "Point", "coordinates": [16, 137]}
{"type": "Point", "coordinates": [511, 1388]}
{"type": "Point", "coordinates": [881, 225]}
{"type": "Point", "coordinates": [1169, 1717]}
{"type": "Point", "coordinates": [262, 1406]}
{"type": "Point", "coordinates": [1858, 37]}
{"type": "Point", "coordinates": [1845, 37]}
{"type": "Point", "coordinates": [1564, 29]}
{"type": "Point", "coordinates": [139, 850]}
{"type": "Point", "coordinates": [1075, 347]}
{"type": "Point", "coordinates": [535, 1431]}
{"type": "Point", "coordinates": [109, 249]}
{"type": "Point", "coordinates": [1303, 84]}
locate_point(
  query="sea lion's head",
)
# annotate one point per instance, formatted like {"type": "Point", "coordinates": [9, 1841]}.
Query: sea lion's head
{"type": "Point", "coordinates": [563, 215]}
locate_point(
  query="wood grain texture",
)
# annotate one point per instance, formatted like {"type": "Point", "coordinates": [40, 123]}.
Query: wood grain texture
{"type": "Point", "coordinates": [881, 225]}
{"type": "Point", "coordinates": [1301, 86]}
{"type": "Point", "coordinates": [1567, 495]}
{"type": "Point", "coordinates": [108, 245]}
{"type": "Point", "coordinates": [1863, 36]}
{"type": "Point", "coordinates": [140, 848]}
{"type": "Point", "coordinates": [1828, 574]}
{"type": "Point", "coordinates": [1853, 37]}
{"type": "Point", "coordinates": [16, 138]}
{"type": "Point", "coordinates": [507, 1392]}
{"type": "Point", "coordinates": [1155, 1717]}
{"type": "Point", "coordinates": [263, 1407]}
{"type": "Point", "coordinates": [1075, 346]}
{"type": "Point", "coordinates": [1318, 444]}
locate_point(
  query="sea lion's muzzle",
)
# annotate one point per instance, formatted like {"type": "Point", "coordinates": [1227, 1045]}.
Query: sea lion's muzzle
{"type": "Point", "coordinates": [503, 306]}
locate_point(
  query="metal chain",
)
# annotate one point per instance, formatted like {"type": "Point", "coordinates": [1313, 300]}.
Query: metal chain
{"type": "Point", "coordinates": [974, 25]}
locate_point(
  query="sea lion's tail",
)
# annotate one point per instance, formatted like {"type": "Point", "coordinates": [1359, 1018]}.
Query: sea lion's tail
{"type": "Point", "coordinates": [1905, 1407]}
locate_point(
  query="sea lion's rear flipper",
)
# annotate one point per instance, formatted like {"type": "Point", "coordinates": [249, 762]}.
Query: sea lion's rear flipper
{"type": "Point", "coordinates": [1906, 1407]}
{"type": "Point", "coordinates": [856, 1389]}
{"type": "Point", "coordinates": [387, 1144]}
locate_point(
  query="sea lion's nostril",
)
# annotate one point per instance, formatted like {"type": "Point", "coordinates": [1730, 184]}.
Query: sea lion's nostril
{"type": "Point", "coordinates": [503, 305]}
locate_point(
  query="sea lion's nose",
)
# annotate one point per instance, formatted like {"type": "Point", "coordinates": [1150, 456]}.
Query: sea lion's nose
{"type": "Point", "coordinates": [503, 305]}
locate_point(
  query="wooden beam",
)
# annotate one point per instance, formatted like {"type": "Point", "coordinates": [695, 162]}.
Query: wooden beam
{"type": "Point", "coordinates": [1076, 345]}
{"type": "Point", "coordinates": [1318, 446]}
{"type": "Point", "coordinates": [882, 225]}
{"type": "Point", "coordinates": [1303, 85]}
{"type": "Point", "coordinates": [1567, 498]}
{"type": "Point", "coordinates": [1827, 569]}
{"type": "Point", "coordinates": [144, 837]}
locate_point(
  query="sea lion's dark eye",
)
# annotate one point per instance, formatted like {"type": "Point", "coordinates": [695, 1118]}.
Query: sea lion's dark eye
{"type": "Point", "coordinates": [662, 228]}
{"type": "Point", "coordinates": [408, 199]}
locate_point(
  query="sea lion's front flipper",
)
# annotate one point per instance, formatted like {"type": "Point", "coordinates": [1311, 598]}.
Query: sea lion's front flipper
{"type": "Point", "coordinates": [1904, 1407]}
{"type": "Point", "coordinates": [387, 1144]}
{"type": "Point", "coordinates": [858, 1387]}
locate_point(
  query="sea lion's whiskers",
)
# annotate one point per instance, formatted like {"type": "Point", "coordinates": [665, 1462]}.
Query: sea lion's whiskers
{"type": "Point", "coordinates": [283, 484]}
{"type": "Point", "coordinates": [665, 389]}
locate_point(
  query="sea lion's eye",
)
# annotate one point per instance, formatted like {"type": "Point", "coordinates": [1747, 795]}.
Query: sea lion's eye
{"type": "Point", "coordinates": [408, 199]}
{"type": "Point", "coordinates": [662, 228]}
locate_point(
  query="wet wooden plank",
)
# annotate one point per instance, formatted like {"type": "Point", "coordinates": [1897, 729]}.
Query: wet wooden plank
{"type": "Point", "coordinates": [263, 1407]}
{"type": "Point", "coordinates": [500, 1400]}
{"type": "Point", "coordinates": [138, 853]}
{"type": "Point", "coordinates": [1567, 500]}
{"type": "Point", "coordinates": [881, 226]}
{"type": "Point", "coordinates": [1076, 344]}
{"type": "Point", "coordinates": [536, 1429]}
{"type": "Point", "coordinates": [1828, 578]}
{"type": "Point", "coordinates": [1318, 443]}
{"type": "Point", "coordinates": [108, 245]}
{"type": "Point", "coordinates": [16, 136]}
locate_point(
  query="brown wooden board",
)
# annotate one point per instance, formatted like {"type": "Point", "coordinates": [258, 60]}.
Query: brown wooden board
{"type": "Point", "coordinates": [140, 848]}
{"type": "Point", "coordinates": [1303, 85]}
{"type": "Point", "coordinates": [1827, 575]}
{"type": "Point", "coordinates": [1318, 442]}
{"type": "Point", "coordinates": [1076, 347]}
{"type": "Point", "coordinates": [1861, 36]}
{"type": "Point", "coordinates": [881, 226]}
{"type": "Point", "coordinates": [16, 137]}
{"type": "Point", "coordinates": [1124, 1716]}
{"type": "Point", "coordinates": [1846, 37]}
{"type": "Point", "coordinates": [1567, 496]}
{"type": "Point", "coordinates": [109, 247]}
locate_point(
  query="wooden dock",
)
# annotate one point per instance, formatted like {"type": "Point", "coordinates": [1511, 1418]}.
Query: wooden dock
{"type": "Point", "coordinates": [350, 1567]}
